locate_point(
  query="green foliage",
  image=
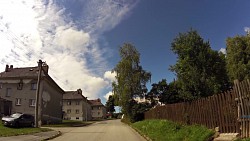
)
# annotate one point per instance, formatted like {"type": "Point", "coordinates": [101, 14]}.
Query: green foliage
{"type": "Point", "coordinates": [238, 57]}
{"type": "Point", "coordinates": [138, 110]}
{"type": "Point", "coordinates": [170, 131]}
{"type": "Point", "coordinates": [110, 104]}
{"type": "Point", "coordinates": [7, 131]}
{"type": "Point", "coordinates": [200, 71]}
{"type": "Point", "coordinates": [131, 79]}
{"type": "Point", "coordinates": [167, 93]}
{"type": "Point", "coordinates": [70, 123]}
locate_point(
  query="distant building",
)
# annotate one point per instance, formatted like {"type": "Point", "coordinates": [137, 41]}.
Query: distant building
{"type": "Point", "coordinates": [98, 110]}
{"type": "Point", "coordinates": [76, 106]}
{"type": "Point", "coordinates": [143, 99]}
{"type": "Point", "coordinates": [19, 85]}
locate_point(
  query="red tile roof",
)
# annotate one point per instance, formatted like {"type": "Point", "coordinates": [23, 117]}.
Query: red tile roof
{"type": "Point", "coordinates": [73, 95]}
{"type": "Point", "coordinates": [96, 102]}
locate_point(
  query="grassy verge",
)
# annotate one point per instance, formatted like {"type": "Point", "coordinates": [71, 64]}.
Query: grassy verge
{"type": "Point", "coordinates": [7, 131]}
{"type": "Point", "coordinates": [248, 139]}
{"type": "Point", "coordinates": [70, 123]}
{"type": "Point", "coordinates": [163, 130]}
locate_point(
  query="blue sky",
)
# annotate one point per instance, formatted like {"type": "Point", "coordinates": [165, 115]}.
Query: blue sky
{"type": "Point", "coordinates": [80, 39]}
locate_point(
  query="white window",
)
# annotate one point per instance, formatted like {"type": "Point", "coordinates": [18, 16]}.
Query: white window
{"type": "Point", "coordinates": [68, 111]}
{"type": "Point", "coordinates": [77, 111]}
{"type": "Point", "coordinates": [69, 103]}
{"type": "Point", "coordinates": [8, 92]}
{"type": "Point", "coordinates": [18, 101]}
{"type": "Point", "coordinates": [33, 86]}
{"type": "Point", "coordinates": [1, 85]}
{"type": "Point", "coordinates": [32, 102]}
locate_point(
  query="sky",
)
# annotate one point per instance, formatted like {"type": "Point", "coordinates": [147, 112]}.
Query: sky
{"type": "Point", "coordinates": [80, 39]}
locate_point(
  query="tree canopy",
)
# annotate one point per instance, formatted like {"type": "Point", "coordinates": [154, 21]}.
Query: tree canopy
{"type": "Point", "coordinates": [200, 71]}
{"type": "Point", "coordinates": [238, 57]}
{"type": "Point", "coordinates": [131, 78]}
{"type": "Point", "coordinates": [110, 104]}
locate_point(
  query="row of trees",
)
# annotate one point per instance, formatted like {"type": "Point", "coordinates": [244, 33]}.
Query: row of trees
{"type": "Point", "coordinates": [200, 72]}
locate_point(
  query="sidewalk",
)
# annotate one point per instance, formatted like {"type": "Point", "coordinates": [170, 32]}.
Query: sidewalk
{"type": "Point", "coordinates": [32, 137]}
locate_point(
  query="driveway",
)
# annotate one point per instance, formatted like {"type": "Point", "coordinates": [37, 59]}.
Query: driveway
{"type": "Point", "coordinates": [110, 130]}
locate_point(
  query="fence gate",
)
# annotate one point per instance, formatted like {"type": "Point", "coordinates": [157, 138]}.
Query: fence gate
{"type": "Point", "coordinates": [242, 89]}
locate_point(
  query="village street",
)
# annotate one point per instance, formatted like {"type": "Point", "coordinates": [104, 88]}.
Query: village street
{"type": "Point", "coordinates": [110, 130]}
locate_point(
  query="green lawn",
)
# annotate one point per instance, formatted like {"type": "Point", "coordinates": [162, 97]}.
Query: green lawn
{"type": "Point", "coordinates": [163, 130]}
{"type": "Point", "coordinates": [7, 131]}
{"type": "Point", "coordinates": [70, 123]}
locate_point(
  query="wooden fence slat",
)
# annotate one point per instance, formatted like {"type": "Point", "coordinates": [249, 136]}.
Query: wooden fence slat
{"type": "Point", "coordinates": [229, 110]}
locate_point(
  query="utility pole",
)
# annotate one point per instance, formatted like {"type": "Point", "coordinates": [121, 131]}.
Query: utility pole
{"type": "Point", "coordinates": [86, 109]}
{"type": "Point", "coordinates": [37, 115]}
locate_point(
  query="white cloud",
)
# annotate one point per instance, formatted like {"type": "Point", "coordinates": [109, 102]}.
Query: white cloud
{"type": "Point", "coordinates": [107, 95]}
{"type": "Point", "coordinates": [223, 50]}
{"type": "Point", "coordinates": [68, 41]}
{"type": "Point", "coordinates": [110, 76]}
{"type": "Point", "coordinates": [247, 29]}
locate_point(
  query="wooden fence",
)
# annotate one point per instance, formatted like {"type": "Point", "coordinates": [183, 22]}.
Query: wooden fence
{"type": "Point", "coordinates": [230, 111]}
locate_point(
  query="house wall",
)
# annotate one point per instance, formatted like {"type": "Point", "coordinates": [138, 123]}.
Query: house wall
{"type": "Point", "coordinates": [98, 112]}
{"type": "Point", "coordinates": [51, 103]}
{"type": "Point", "coordinates": [25, 94]}
{"type": "Point", "coordinates": [51, 99]}
{"type": "Point", "coordinates": [73, 107]}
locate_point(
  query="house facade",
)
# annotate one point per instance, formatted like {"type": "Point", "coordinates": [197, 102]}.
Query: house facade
{"type": "Point", "coordinates": [98, 110]}
{"type": "Point", "coordinates": [76, 106]}
{"type": "Point", "coordinates": [19, 86]}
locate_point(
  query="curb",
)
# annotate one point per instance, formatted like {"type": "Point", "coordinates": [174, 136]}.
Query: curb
{"type": "Point", "coordinates": [54, 136]}
{"type": "Point", "coordinates": [139, 132]}
{"type": "Point", "coordinates": [143, 135]}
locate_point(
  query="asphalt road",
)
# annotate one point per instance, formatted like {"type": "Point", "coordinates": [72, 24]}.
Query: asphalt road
{"type": "Point", "coordinates": [110, 130]}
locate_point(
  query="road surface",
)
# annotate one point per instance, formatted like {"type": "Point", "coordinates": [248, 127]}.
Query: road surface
{"type": "Point", "coordinates": [110, 130]}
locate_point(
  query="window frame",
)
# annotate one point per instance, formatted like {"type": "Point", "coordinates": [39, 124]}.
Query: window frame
{"type": "Point", "coordinates": [77, 111]}
{"type": "Point", "coordinates": [33, 86]}
{"type": "Point", "coordinates": [8, 92]}
{"type": "Point", "coordinates": [68, 111]}
{"type": "Point", "coordinates": [32, 102]}
{"type": "Point", "coordinates": [18, 101]}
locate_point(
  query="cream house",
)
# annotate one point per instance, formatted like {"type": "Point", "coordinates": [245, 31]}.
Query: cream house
{"type": "Point", "coordinates": [76, 106]}
{"type": "Point", "coordinates": [98, 110]}
{"type": "Point", "coordinates": [19, 86]}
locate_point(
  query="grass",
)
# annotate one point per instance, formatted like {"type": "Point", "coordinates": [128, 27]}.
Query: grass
{"type": "Point", "coordinates": [163, 130]}
{"type": "Point", "coordinates": [70, 123]}
{"type": "Point", "coordinates": [7, 131]}
{"type": "Point", "coordinates": [248, 139]}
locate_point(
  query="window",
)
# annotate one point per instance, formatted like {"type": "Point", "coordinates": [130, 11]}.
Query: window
{"type": "Point", "coordinates": [1, 85]}
{"type": "Point", "coordinates": [77, 111]}
{"type": "Point", "coordinates": [8, 92]}
{"type": "Point", "coordinates": [68, 111]}
{"type": "Point", "coordinates": [33, 86]}
{"type": "Point", "coordinates": [69, 103]}
{"type": "Point", "coordinates": [98, 113]}
{"type": "Point", "coordinates": [32, 102]}
{"type": "Point", "coordinates": [77, 102]}
{"type": "Point", "coordinates": [18, 101]}
{"type": "Point", "coordinates": [99, 108]}
{"type": "Point", "coordinates": [20, 85]}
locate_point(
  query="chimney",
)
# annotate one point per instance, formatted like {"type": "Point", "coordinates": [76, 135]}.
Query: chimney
{"type": "Point", "coordinates": [11, 67]}
{"type": "Point", "coordinates": [45, 68]}
{"type": "Point", "coordinates": [79, 91]}
{"type": "Point", "coordinates": [7, 68]}
{"type": "Point", "coordinates": [98, 100]}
